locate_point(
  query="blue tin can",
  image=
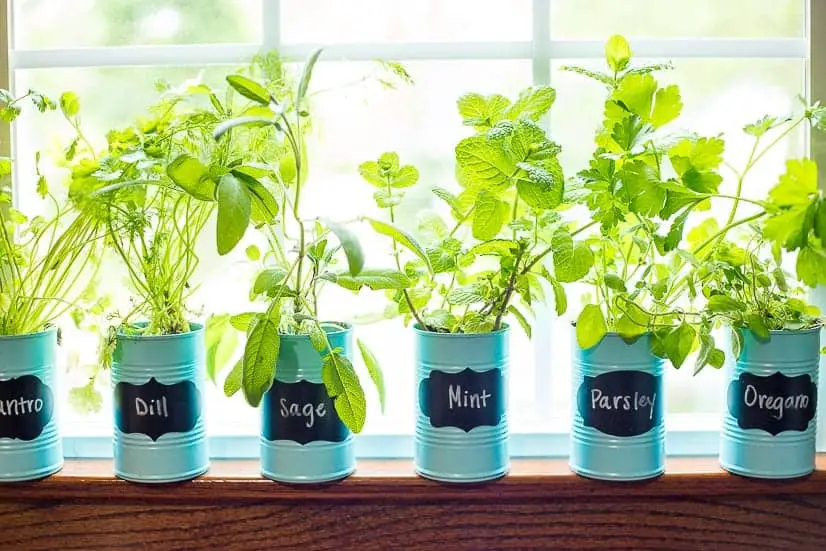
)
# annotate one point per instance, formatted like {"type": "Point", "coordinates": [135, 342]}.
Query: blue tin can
{"type": "Point", "coordinates": [618, 430]}
{"type": "Point", "coordinates": [461, 422]}
{"type": "Point", "coordinates": [303, 440]}
{"type": "Point", "coordinates": [770, 421]}
{"type": "Point", "coordinates": [160, 435]}
{"type": "Point", "coordinates": [30, 445]}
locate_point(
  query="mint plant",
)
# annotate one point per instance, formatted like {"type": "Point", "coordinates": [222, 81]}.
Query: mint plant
{"type": "Point", "coordinates": [45, 260]}
{"type": "Point", "coordinates": [489, 260]}
{"type": "Point", "coordinates": [303, 254]}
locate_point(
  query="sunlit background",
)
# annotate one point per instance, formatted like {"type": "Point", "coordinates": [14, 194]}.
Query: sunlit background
{"type": "Point", "coordinates": [356, 120]}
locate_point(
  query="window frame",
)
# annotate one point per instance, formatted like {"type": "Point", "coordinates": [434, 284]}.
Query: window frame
{"type": "Point", "coordinates": [687, 434]}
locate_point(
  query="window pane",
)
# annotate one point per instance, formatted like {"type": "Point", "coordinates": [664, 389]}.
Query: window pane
{"type": "Point", "coordinates": [598, 19]}
{"type": "Point", "coordinates": [86, 23]}
{"type": "Point", "coordinates": [330, 21]}
{"type": "Point", "coordinates": [720, 97]}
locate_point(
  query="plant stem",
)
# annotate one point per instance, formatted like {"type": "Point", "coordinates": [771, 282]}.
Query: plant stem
{"type": "Point", "coordinates": [550, 248]}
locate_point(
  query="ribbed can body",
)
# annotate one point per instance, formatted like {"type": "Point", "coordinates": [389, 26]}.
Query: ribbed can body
{"type": "Point", "coordinates": [302, 438]}
{"type": "Point", "coordinates": [160, 434]}
{"type": "Point", "coordinates": [770, 420]}
{"type": "Point", "coordinates": [461, 420]}
{"type": "Point", "coordinates": [30, 444]}
{"type": "Point", "coordinates": [618, 431]}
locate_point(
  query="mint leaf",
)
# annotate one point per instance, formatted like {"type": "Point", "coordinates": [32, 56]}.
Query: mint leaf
{"type": "Point", "coordinates": [482, 112]}
{"type": "Point", "coordinates": [489, 215]}
{"type": "Point", "coordinates": [344, 388]}
{"type": "Point", "coordinates": [369, 170]}
{"type": "Point", "coordinates": [571, 262]}
{"type": "Point", "coordinates": [431, 226]}
{"type": "Point", "coordinates": [496, 247]}
{"type": "Point", "coordinates": [532, 103]}
{"type": "Point", "coordinates": [483, 163]}
{"type": "Point", "coordinates": [560, 299]}
{"type": "Point", "coordinates": [520, 317]}
{"type": "Point", "coordinates": [451, 200]}
{"type": "Point", "coordinates": [544, 187]}
{"type": "Point", "coordinates": [724, 303]}
{"type": "Point", "coordinates": [590, 327]}
{"type": "Point", "coordinates": [375, 279]}
{"type": "Point", "coordinates": [402, 238]}
{"type": "Point", "coordinates": [470, 294]}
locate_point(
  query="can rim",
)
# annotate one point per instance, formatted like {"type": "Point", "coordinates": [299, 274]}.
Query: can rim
{"type": "Point", "coordinates": [32, 335]}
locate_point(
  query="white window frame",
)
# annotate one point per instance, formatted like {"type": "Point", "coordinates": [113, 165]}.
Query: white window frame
{"type": "Point", "coordinates": [687, 434]}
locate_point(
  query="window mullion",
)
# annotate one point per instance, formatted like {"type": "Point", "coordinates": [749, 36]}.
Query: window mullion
{"type": "Point", "coordinates": [271, 21]}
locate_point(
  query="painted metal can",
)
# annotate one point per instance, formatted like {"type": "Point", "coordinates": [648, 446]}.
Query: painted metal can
{"type": "Point", "coordinates": [303, 440]}
{"type": "Point", "coordinates": [618, 429]}
{"type": "Point", "coordinates": [770, 421]}
{"type": "Point", "coordinates": [159, 433]}
{"type": "Point", "coordinates": [461, 421]}
{"type": "Point", "coordinates": [30, 444]}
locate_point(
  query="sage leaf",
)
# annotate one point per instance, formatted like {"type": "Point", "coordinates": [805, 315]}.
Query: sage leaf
{"type": "Point", "coordinates": [306, 75]}
{"type": "Point", "coordinates": [256, 121]}
{"type": "Point", "coordinates": [220, 343]}
{"type": "Point", "coordinates": [232, 383]}
{"type": "Point", "coordinates": [192, 176]}
{"type": "Point", "coordinates": [350, 243]}
{"type": "Point", "coordinates": [260, 356]}
{"type": "Point", "coordinates": [374, 370]}
{"type": "Point", "coordinates": [234, 207]}
{"type": "Point", "coordinates": [520, 317]}
{"type": "Point", "coordinates": [376, 279]}
{"type": "Point", "coordinates": [402, 238]}
{"type": "Point", "coordinates": [267, 280]}
{"type": "Point", "coordinates": [249, 89]}
{"type": "Point", "coordinates": [344, 388]}
{"type": "Point", "coordinates": [242, 322]}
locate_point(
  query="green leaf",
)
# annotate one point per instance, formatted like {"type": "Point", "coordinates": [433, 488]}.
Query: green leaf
{"type": "Point", "coordinates": [636, 92]}
{"type": "Point", "coordinates": [571, 262]}
{"type": "Point", "coordinates": [615, 282]}
{"type": "Point", "coordinates": [560, 299]}
{"type": "Point", "coordinates": [756, 323]}
{"type": "Point", "coordinates": [350, 243]}
{"type": "Point", "coordinates": [760, 127]}
{"type": "Point", "coordinates": [431, 226]}
{"type": "Point", "coordinates": [402, 238]}
{"type": "Point", "coordinates": [708, 354]}
{"type": "Point", "coordinates": [450, 199]}
{"type": "Point", "coordinates": [226, 126]}
{"type": "Point", "coordinates": [268, 280]}
{"type": "Point", "coordinates": [543, 189]}
{"type": "Point", "coordinates": [820, 220]}
{"type": "Point", "coordinates": [375, 279]}
{"type": "Point", "coordinates": [42, 187]}
{"type": "Point", "coordinates": [192, 176]}
{"type": "Point", "coordinates": [489, 215]}
{"type": "Point", "coordinates": [232, 383]}
{"type": "Point", "coordinates": [220, 343]}
{"type": "Point", "coordinates": [234, 206]}
{"type": "Point", "coordinates": [533, 103]}
{"type": "Point", "coordinates": [482, 112]}
{"type": "Point", "coordinates": [811, 266]}
{"type": "Point", "coordinates": [644, 188]}
{"type": "Point", "coordinates": [306, 75]}
{"type": "Point", "coordinates": [406, 176]}
{"type": "Point", "coordinates": [483, 163]}
{"type": "Point", "coordinates": [797, 184]}
{"type": "Point", "coordinates": [344, 388]}
{"type": "Point", "coordinates": [617, 53]}
{"type": "Point", "coordinates": [374, 370]}
{"type": "Point", "coordinates": [242, 322]}
{"type": "Point", "coordinates": [679, 343]}
{"type": "Point", "coordinates": [633, 322]}
{"type": "Point", "coordinates": [318, 338]}
{"type": "Point", "coordinates": [520, 317]}
{"type": "Point", "coordinates": [590, 327]}
{"type": "Point", "coordinates": [724, 303]}
{"type": "Point", "coordinates": [369, 170]}
{"type": "Point", "coordinates": [790, 228]}
{"type": "Point", "coordinates": [260, 355]}
{"type": "Point", "coordinates": [667, 106]}
{"type": "Point", "coordinates": [69, 104]}
{"type": "Point", "coordinates": [264, 206]}
{"type": "Point", "coordinates": [469, 294]}
{"type": "Point", "coordinates": [495, 247]}
{"type": "Point", "coordinates": [253, 253]}
{"type": "Point", "coordinates": [86, 399]}
{"type": "Point", "coordinates": [249, 89]}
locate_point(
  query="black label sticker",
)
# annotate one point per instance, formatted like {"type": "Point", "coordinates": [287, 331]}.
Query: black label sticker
{"type": "Point", "coordinates": [465, 400]}
{"type": "Point", "coordinates": [621, 403]}
{"type": "Point", "coordinates": [302, 412]}
{"type": "Point", "coordinates": [26, 407]}
{"type": "Point", "coordinates": [775, 404]}
{"type": "Point", "coordinates": [155, 409]}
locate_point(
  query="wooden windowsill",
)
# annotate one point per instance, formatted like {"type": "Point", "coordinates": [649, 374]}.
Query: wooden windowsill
{"type": "Point", "coordinates": [394, 480]}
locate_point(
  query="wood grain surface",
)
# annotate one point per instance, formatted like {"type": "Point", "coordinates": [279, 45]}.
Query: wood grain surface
{"type": "Point", "coordinates": [540, 505]}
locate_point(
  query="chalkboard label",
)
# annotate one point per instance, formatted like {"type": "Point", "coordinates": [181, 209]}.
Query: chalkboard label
{"type": "Point", "coordinates": [775, 404]}
{"type": "Point", "coordinates": [302, 412]}
{"type": "Point", "coordinates": [155, 409]}
{"type": "Point", "coordinates": [466, 400]}
{"type": "Point", "coordinates": [621, 403]}
{"type": "Point", "coordinates": [26, 407]}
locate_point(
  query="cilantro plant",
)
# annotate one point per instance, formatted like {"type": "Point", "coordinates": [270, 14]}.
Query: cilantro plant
{"type": "Point", "coordinates": [303, 254]}
{"type": "Point", "coordinates": [44, 260]}
{"type": "Point", "coordinates": [488, 261]}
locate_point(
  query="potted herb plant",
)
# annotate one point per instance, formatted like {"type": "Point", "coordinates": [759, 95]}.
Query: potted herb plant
{"type": "Point", "coordinates": [152, 192]}
{"type": "Point", "coordinates": [641, 186]}
{"type": "Point", "coordinates": [770, 420]}
{"type": "Point", "coordinates": [470, 274]}
{"type": "Point", "coordinates": [44, 261]}
{"type": "Point", "coordinates": [296, 366]}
